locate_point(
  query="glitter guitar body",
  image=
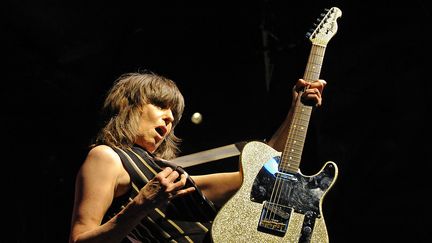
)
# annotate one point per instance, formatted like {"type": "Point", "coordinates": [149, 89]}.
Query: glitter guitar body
{"type": "Point", "coordinates": [296, 216]}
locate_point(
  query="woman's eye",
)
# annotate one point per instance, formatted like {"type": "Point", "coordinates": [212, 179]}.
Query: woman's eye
{"type": "Point", "coordinates": [160, 105]}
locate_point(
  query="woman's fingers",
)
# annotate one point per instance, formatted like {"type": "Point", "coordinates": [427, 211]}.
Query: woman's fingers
{"type": "Point", "coordinates": [173, 183]}
{"type": "Point", "coordinates": [311, 91]}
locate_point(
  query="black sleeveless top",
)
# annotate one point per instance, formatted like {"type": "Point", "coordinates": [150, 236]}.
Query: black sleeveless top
{"type": "Point", "coordinates": [184, 219]}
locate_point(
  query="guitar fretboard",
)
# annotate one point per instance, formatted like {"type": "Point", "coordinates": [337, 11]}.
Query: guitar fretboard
{"type": "Point", "coordinates": [291, 156]}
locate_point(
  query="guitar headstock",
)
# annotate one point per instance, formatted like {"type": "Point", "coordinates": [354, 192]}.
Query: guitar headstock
{"type": "Point", "coordinates": [326, 28]}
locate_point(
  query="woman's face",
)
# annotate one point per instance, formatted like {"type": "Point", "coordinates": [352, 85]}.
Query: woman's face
{"type": "Point", "coordinates": [155, 125]}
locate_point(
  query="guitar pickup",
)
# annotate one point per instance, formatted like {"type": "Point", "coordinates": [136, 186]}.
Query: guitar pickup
{"type": "Point", "coordinates": [287, 177]}
{"type": "Point", "coordinates": [274, 219]}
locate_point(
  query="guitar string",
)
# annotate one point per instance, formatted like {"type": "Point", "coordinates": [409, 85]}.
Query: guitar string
{"type": "Point", "coordinates": [277, 192]}
{"type": "Point", "coordinates": [279, 188]}
{"type": "Point", "coordinates": [275, 198]}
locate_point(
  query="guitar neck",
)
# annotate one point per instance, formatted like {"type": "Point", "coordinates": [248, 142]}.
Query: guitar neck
{"type": "Point", "coordinates": [314, 64]}
{"type": "Point", "coordinates": [291, 156]}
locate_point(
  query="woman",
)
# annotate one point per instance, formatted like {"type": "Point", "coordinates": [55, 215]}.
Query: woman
{"type": "Point", "coordinates": [127, 191]}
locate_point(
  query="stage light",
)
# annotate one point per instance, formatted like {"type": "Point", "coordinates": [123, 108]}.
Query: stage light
{"type": "Point", "coordinates": [196, 118]}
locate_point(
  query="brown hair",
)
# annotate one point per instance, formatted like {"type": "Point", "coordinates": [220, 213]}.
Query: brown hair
{"type": "Point", "coordinates": [123, 106]}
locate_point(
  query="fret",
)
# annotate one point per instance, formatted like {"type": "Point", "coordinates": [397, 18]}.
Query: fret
{"type": "Point", "coordinates": [294, 141]}
{"type": "Point", "coordinates": [313, 72]}
{"type": "Point", "coordinates": [303, 109]}
{"type": "Point", "coordinates": [293, 148]}
{"type": "Point", "coordinates": [298, 143]}
{"type": "Point", "coordinates": [295, 154]}
{"type": "Point", "coordinates": [291, 158]}
{"type": "Point", "coordinates": [299, 128]}
{"type": "Point", "coordinates": [303, 113]}
{"type": "Point", "coordinates": [298, 138]}
{"type": "Point", "coordinates": [290, 163]}
{"type": "Point", "coordinates": [302, 120]}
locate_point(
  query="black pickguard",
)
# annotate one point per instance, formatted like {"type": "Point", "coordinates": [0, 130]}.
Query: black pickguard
{"type": "Point", "coordinates": [303, 193]}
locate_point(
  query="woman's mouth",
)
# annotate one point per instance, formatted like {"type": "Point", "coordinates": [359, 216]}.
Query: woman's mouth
{"type": "Point", "coordinates": [161, 131]}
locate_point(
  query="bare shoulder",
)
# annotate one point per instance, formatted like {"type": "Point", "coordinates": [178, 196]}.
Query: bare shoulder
{"type": "Point", "coordinates": [103, 166]}
{"type": "Point", "coordinates": [102, 151]}
{"type": "Point", "coordinates": [103, 156]}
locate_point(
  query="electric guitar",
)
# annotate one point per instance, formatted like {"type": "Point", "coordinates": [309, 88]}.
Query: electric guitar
{"type": "Point", "coordinates": [276, 202]}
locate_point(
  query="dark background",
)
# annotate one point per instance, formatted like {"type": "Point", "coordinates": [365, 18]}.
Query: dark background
{"type": "Point", "coordinates": [61, 57]}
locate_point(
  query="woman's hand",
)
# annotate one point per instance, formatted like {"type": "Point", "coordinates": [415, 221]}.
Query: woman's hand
{"type": "Point", "coordinates": [165, 186]}
{"type": "Point", "coordinates": [310, 92]}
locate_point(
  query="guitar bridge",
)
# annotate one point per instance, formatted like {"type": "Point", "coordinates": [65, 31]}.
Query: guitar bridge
{"type": "Point", "coordinates": [274, 219]}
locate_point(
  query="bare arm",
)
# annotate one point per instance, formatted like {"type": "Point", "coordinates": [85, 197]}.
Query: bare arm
{"type": "Point", "coordinates": [219, 187]}
{"type": "Point", "coordinates": [100, 179]}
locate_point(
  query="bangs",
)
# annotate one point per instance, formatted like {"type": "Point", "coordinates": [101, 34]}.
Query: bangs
{"type": "Point", "coordinates": [166, 95]}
